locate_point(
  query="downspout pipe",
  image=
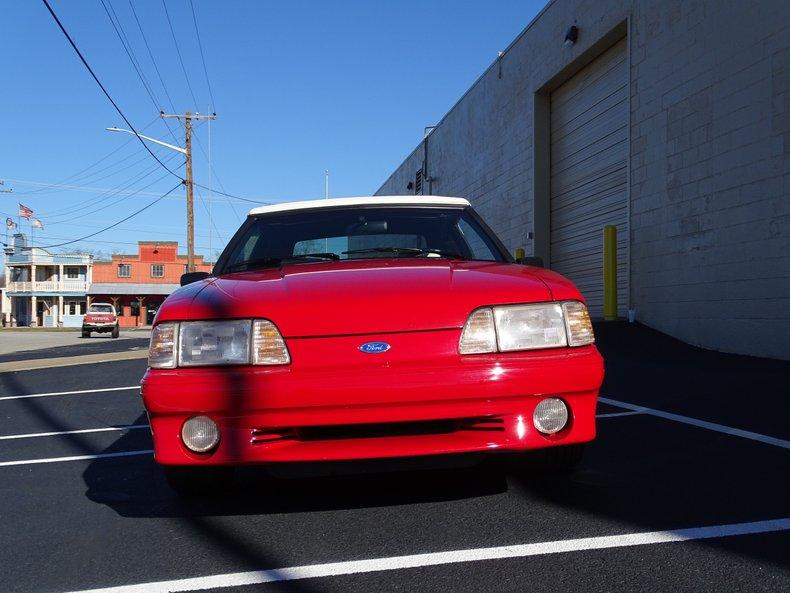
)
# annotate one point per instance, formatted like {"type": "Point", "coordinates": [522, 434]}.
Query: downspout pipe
{"type": "Point", "coordinates": [425, 175]}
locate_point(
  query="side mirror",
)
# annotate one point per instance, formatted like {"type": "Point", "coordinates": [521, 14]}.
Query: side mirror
{"type": "Point", "coordinates": [191, 277]}
{"type": "Point", "coordinates": [530, 261]}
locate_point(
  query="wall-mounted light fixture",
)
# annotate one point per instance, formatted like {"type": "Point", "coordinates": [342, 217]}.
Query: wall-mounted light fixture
{"type": "Point", "coordinates": [571, 36]}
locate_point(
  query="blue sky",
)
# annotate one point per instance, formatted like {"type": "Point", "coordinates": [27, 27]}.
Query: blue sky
{"type": "Point", "coordinates": [300, 87]}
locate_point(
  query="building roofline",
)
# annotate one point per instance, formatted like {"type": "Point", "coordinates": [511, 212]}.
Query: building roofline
{"type": "Point", "coordinates": [471, 87]}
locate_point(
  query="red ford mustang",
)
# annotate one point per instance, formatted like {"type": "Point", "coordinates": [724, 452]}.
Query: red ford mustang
{"type": "Point", "coordinates": [366, 328]}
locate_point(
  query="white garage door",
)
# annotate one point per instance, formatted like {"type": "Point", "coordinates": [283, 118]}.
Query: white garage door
{"type": "Point", "coordinates": [589, 157]}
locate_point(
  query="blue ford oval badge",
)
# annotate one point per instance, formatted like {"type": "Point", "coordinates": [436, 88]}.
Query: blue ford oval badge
{"type": "Point", "coordinates": [374, 347]}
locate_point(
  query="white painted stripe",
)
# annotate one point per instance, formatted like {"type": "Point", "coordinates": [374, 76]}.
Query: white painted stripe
{"type": "Point", "coordinates": [776, 442]}
{"type": "Point", "coordinates": [311, 571]}
{"type": "Point", "coordinates": [618, 414]}
{"type": "Point", "coordinates": [54, 393]}
{"type": "Point", "coordinates": [33, 435]}
{"type": "Point", "coordinates": [75, 458]}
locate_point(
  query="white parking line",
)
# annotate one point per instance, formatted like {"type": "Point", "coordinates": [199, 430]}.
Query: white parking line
{"type": "Point", "coordinates": [54, 393]}
{"type": "Point", "coordinates": [776, 442]}
{"type": "Point", "coordinates": [618, 414]}
{"type": "Point", "coordinates": [75, 458]}
{"type": "Point", "coordinates": [33, 435]}
{"type": "Point", "coordinates": [311, 571]}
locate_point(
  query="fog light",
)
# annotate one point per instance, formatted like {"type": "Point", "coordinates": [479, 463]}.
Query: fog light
{"type": "Point", "coordinates": [551, 415]}
{"type": "Point", "coordinates": [200, 434]}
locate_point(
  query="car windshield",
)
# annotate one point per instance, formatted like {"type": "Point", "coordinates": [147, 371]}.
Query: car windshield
{"type": "Point", "coordinates": [101, 309]}
{"type": "Point", "coordinates": [360, 233]}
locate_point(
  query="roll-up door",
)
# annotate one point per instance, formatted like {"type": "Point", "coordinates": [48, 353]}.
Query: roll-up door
{"type": "Point", "coordinates": [589, 165]}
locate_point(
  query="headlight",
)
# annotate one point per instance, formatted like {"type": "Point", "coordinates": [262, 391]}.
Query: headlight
{"type": "Point", "coordinates": [510, 328]}
{"type": "Point", "coordinates": [526, 327]}
{"type": "Point", "coordinates": [162, 352]}
{"type": "Point", "coordinates": [210, 343]}
{"type": "Point", "coordinates": [203, 343]}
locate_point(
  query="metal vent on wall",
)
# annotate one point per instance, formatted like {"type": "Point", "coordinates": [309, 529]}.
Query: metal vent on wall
{"type": "Point", "coordinates": [418, 182]}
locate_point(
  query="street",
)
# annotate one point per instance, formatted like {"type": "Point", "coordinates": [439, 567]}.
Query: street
{"type": "Point", "coordinates": [678, 493]}
{"type": "Point", "coordinates": [20, 342]}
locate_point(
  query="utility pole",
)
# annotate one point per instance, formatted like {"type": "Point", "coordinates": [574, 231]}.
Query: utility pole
{"type": "Point", "coordinates": [188, 118]}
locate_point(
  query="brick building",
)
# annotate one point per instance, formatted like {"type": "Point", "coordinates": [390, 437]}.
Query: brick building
{"type": "Point", "coordinates": [138, 283]}
{"type": "Point", "coordinates": [667, 119]}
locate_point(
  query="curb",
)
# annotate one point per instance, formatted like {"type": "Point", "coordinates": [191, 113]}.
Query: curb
{"type": "Point", "coordinates": [64, 361]}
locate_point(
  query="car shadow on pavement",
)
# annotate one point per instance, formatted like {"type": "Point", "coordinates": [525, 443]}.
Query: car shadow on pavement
{"type": "Point", "coordinates": [138, 488]}
{"type": "Point", "coordinates": [642, 473]}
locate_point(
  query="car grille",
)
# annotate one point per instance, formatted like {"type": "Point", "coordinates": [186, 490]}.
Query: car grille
{"type": "Point", "coordinates": [378, 430]}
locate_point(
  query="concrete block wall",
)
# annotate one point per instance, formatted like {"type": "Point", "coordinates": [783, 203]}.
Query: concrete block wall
{"type": "Point", "coordinates": [709, 157]}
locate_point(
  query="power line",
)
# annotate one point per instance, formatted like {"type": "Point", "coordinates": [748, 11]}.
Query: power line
{"type": "Point", "coordinates": [151, 55]}
{"type": "Point", "coordinates": [137, 228]}
{"type": "Point", "coordinates": [222, 186]}
{"type": "Point", "coordinates": [104, 90]}
{"type": "Point", "coordinates": [108, 242]}
{"type": "Point", "coordinates": [210, 218]}
{"type": "Point", "coordinates": [125, 44]}
{"type": "Point", "coordinates": [115, 224]}
{"type": "Point", "coordinates": [119, 189]}
{"type": "Point", "coordinates": [178, 51]}
{"type": "Point", "coordinates": [108, 175]}
{"type": "Point", "coordinates": [108, 197]}
{"type": "Point", "coordinates": [70, 209]}
{"type": "Point", "coordinates": [77, 175]}
{"type": "Point", "coordinates": [99, 190]}
{"type": "Point", "coordinates": [202, 55]}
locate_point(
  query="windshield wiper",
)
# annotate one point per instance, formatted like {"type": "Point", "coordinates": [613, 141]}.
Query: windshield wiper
{"type": "Point", "coordinates": [332, 256]}
{"type": "Point", "coordinates": [413, 251]}
{"type": "Point", "coordinates": [261, 262]}
{"type": "Point", "coordinates": [270, 262]}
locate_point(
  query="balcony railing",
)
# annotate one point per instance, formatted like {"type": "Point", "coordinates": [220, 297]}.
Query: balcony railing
{"type": "Point", "coordinates": [48, 286]}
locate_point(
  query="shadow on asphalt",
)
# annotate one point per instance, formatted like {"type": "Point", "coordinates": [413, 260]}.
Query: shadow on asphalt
{"type": "Point", "coordinates": [642, 474]}
{"type": "Point", "coordinates": [93, 345]}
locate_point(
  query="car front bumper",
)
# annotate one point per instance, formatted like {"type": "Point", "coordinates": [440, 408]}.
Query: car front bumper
{"type": "Point", "coordinates": [99, 327]}
{"type": "Point", "coordinates": [393, 408]}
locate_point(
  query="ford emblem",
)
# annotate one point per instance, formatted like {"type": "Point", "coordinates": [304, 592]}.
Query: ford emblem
{"type": "Point", "coordinates": [374, 347]}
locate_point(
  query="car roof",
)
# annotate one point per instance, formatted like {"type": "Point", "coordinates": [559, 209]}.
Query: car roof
{"type": "Point", "coordinates": [362, 201]}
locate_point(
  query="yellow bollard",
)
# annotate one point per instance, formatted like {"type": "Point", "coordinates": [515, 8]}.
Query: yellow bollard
{"type": "Point", "coordinates": [610, 272]}
{"type": "Point", "coordinates": [520, 253]}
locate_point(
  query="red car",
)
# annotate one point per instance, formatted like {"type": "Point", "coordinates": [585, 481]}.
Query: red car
{"type": "Point", "coordinates": [367, 328]}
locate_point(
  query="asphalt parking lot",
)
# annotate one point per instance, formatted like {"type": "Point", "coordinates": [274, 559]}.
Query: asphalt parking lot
{"type": "Point", "coordinates": [17, 344]}
{"type": "Point", "coordinates": [687, 487]}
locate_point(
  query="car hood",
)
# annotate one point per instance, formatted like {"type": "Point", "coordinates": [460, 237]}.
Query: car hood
{"type": "Point", "coordinates": [365, 296]}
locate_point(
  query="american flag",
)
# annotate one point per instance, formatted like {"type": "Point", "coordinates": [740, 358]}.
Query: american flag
{"type": "Point", "coordinates": [25, 212]}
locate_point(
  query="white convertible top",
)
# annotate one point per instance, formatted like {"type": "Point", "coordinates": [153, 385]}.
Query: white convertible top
{"type": "Point", "coordinates": [362, 201]}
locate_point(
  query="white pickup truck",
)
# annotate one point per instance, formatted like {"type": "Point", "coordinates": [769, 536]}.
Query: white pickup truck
{"type": "Point", "coordinates": [100, 318]}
